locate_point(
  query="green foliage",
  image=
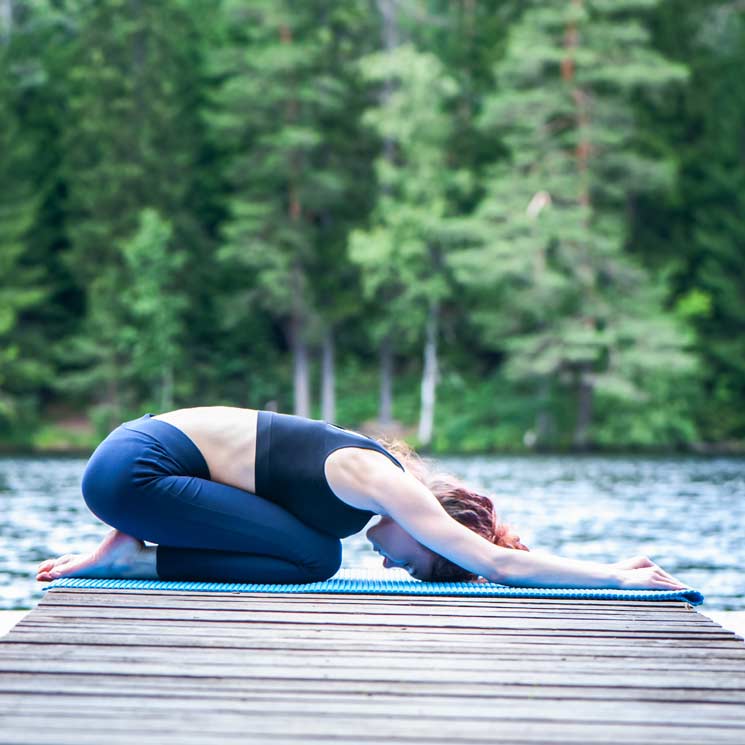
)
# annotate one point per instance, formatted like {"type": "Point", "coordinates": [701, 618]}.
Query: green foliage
{"type": "Point", "coordinates": [282, 115]}
{"type": "Point", "coordinates": [155, 306]}
{"type": "Point", "coordinates": [400, 254]}
{"type": "Point", "coordinates": [547, 239]}
{"type": "Point", "coordinates": [131, 139]}
{"type": "Point", "coordinates": [661, 420]}
{"type": "Point", "coordinates": [23, 284]}
{"type": "Point", "coordinates": [481, 415]}
{"type": "Point", "coordinates": [185, 184]}
{"type": "Point", "coordinates": [697, 229]}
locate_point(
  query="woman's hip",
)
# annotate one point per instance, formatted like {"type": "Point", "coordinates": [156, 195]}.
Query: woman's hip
{"type": "Point", "coordinates": [135, 454]}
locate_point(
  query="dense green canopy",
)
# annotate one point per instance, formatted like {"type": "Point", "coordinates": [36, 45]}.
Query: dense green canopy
{"type": "Point", "coordinates": [481, 225]}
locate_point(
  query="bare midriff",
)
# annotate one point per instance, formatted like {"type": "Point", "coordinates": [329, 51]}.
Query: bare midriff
{"type": "Point", "coordinates": [226, 437]}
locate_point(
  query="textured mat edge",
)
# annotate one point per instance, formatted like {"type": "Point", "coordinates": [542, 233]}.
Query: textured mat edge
{"type": "Point", "coordinates": [351, 581]}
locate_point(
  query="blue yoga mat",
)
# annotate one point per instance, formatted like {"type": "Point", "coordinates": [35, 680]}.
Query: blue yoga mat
{"type": "Point", "coordinates": [383, 582]}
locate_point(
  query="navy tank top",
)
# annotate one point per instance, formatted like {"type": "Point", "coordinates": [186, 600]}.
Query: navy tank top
{"type": "Point", "coordinates": [290, 454]}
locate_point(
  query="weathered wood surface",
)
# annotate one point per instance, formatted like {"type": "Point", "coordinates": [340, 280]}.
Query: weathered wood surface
{"type": "Point", "coordinates": [116, 666]}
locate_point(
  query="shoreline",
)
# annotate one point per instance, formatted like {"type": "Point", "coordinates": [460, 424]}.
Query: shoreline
{"type": "Point", "coordinates": [83, 447]}
{"type": "Point", "coordinates": [731, 620]}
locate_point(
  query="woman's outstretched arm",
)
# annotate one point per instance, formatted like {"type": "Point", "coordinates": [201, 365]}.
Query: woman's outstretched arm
{"type": "Point", "coordinates": [409, 503]}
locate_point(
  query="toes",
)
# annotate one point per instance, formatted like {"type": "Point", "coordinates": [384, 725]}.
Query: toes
{"type": "Point", "coordinates": [78, 565]}
{"type": "Point", "coordinates": [60, 571]}
{"type": "Point", "coordinates": [55, 568]}
{"type": "Point", "coordinates": [48, 563]}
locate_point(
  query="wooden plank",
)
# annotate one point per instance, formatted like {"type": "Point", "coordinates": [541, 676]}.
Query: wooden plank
{"type": "Point", "coordinates": [13, 653]}
{"type": "Point", "coordinates": [407, 632]}
{"type": "Point", "coordinates": [691, 714]}
{"type": "Point", "coordinates": [302, 599]}
{"type": "Point", "coordinates": [330, 613]}
{"type": "Point", "coordinates": [557, 672]}
{"type": "Point", "coordinates": [31, 641]}
{"type": "Point", "coordinates": [421, 620]}
{"type": "Point", "coordinates": [248, 630]}
{"type": "Point", "coordinates": [430, 728]}
{"type": "Point", "coordinates": [217, 688]}
{"type": "Point", "coordinates": [670, 618]}
{"type": "Point", "coordinates": [48, 684]}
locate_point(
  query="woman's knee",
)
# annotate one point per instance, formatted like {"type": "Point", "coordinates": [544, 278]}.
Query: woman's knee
{"type": "Point", "coordinates": [96, 487]}
{"type": "Point", "coordinates": [106, 481]}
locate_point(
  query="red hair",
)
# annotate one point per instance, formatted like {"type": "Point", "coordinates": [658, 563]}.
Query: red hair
{"type": "Point", "coordinates": [475, 511]}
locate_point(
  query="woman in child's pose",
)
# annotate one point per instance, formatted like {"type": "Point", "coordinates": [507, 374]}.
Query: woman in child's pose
{"type": "Point", "coordinates": [245, 495]}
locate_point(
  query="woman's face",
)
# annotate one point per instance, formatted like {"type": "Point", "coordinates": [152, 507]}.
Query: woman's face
{"type": "Point", "coordinates": [400, 549]}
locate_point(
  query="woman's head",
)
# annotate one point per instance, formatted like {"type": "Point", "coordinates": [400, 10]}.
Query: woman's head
{"type": "Point", "coordinates": [470, 508]}
{"type": "Point", "coordinates": [400, 549]}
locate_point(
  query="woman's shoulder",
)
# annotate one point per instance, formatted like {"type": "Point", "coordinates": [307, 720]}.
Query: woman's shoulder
{"type": "Point", "coordinates": [352, 472]}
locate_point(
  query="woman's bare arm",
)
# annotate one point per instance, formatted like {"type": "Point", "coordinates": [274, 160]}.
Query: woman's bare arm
{"type": "Point", "coordinates": [407, 501]}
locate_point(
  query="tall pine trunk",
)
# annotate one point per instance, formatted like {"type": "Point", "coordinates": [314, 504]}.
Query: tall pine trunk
{"type": "Point", "coordinates": [166, 387]}
{"type": "Point", "coordinates": [385, 416]}
{"type": "Point", "coordinates": [429, 377]}
{"type": "Point", "coordinates": [387, 11]}
{"type": "Point", "coordinates": [582, 154]}
{"type": "Point", "coordinates": [328, 401]}
{"type": "Point", "coordinates": [544, 422]}
{"type": "Point", "coordinates": [298, 344]}
{"type": "Point", "coordinates": [299, 350]}
{"type": "Point", "coordinates": [584, 409]}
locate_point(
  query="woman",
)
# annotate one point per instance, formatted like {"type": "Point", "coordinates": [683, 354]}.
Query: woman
{"type": "Point", "coordinates": [243, 495]}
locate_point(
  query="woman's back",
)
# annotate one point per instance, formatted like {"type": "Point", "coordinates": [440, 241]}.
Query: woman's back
{"type": "Point", "coordinates": [226, 437]}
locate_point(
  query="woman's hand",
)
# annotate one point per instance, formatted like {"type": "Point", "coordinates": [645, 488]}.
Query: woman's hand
{"type": "Point", "coordinates": [641, 573]}
{"type": "Point", "coordinates": [635, 562]}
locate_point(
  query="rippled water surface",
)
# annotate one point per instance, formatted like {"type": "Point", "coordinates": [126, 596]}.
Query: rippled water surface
{"type": "Point", "coordinates": [688, 514]}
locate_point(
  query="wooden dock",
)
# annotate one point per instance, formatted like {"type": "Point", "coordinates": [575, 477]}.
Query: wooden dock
{"type": "Point", "coordinates": [120, 666]}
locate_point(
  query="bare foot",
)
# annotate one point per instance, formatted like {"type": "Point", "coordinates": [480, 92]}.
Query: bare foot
{"type": "Point", "coordinates": [116, 552]}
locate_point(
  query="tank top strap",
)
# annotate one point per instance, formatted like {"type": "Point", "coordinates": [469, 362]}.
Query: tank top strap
{"type": "Point", "coordinates": [364, 442]}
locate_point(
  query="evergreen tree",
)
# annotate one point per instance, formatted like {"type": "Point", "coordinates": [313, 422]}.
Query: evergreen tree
{"type": "Point", "coordinates": [696, 233]}
{"type": "Point", "coordinates": [189, 190]}
{"type": "Point", "coordinates": [155, 306]}
{"type": "Point", "coordinates": [549, 235]}
{"type": "Point", "coordinates": [131, 140]}
{"type": "Point", "coordinates": [283, 111]}
{"type": "Point", "coordinates": [402, 253]}
{"type": "Point", "coordinates": [23, 283]}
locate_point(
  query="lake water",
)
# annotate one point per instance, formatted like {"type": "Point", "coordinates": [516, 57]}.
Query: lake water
{"type": "Point", "coordinates": [687, 514]}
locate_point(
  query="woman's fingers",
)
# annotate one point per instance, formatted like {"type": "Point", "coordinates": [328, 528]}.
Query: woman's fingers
{"type": "Point", "coordinates": [670, 577]}
{"type": "Point", "coordinates": [662, 573]}
{"type": "Point", "coordinates": [645, 564]}
{"type": "Point", "coordinates": [650, 578]}
{"type": "Point", "coordinates": [635, 562]}
{"type": "Point", "coordinates": [665, 579]}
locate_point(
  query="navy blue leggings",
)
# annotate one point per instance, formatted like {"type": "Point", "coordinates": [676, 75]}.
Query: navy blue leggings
{"type": "Point", "coordinates": [149, 480]}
